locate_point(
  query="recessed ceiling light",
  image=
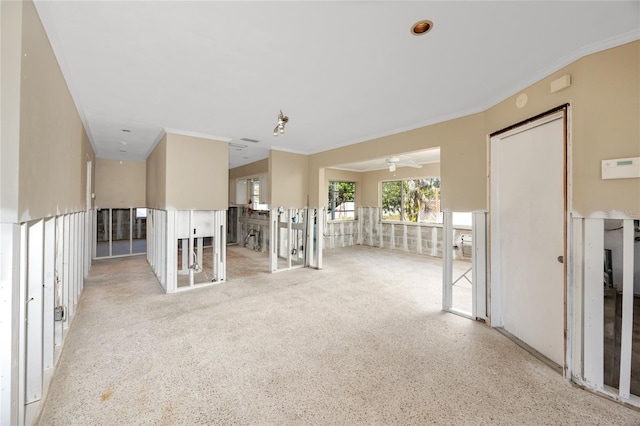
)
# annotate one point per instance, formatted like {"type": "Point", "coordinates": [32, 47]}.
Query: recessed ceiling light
{"type": "Point", "coordinates": [421, 27]}
{"type": "Point", "coordinates": [123, 142]}
{"type": "Point", "coordinates": [126, 130]}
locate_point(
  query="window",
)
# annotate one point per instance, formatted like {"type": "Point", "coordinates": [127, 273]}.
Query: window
{"type": "Point", "coordinates": [255, 189]}
{"type": "Point", "coordinates": [342, 200]}
{"type": "Point", "coordinates": [412, 200]}
{"type": "Point", "coordinates": [252, 192]}
{"type": "Point", "coordinates": [255, 192]}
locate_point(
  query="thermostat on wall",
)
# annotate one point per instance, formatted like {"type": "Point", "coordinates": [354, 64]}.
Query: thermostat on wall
{"type": "Point", "coordinates": [621, 168]}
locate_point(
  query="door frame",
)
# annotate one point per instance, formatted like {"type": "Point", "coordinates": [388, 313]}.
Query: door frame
{"type": "Point", "coordinates": [478, 266]}
{"type": "Point", "coordinates": [494, 287]}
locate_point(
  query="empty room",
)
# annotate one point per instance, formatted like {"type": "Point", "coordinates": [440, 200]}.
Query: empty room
{"type": "Point", "coordinates": [301, 212]}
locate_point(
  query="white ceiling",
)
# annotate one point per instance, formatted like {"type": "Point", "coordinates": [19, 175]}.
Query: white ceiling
{"type": "Point", "coordinates": [401, 160]}
{"type": "Point", "coordinates": [343, 72]}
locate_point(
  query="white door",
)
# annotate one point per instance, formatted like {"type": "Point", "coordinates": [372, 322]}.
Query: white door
{"type": "Point", "coordinates": [528, 234]}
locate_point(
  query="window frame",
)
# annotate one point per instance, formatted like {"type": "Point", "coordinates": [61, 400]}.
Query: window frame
{"type": "Point", "coordinates": [402, 210]}
{"type": "Point", "coordinates": [331, 213]}
{"type": "Point", "coordinates": [250, 191]}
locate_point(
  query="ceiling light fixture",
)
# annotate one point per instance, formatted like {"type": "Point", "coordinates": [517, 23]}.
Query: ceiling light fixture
{"type": "Point", "coordinates": [394, 162]}
{"type": "Point", "coordinates": [126, 130]}
{"type": "Point", "coordinates": [282, 120]}
{"type": "Point", "coordinates": [421, 27]}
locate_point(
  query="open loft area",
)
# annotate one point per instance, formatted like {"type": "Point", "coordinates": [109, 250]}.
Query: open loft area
{"type": "Point", "coordinates": [167, 164]}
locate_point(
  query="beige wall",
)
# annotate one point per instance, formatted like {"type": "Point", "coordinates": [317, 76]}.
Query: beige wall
{"type": "Point", "coordinates": [54, 148]}
{"type": "Point", "coordinates": [343, 176]}
{"type": "Point", "coordinates": [609, 123]}
{"type": "Point", "coordinates": [254, 169]}
{"type": "Point", "coordinates": [197, 173]}
{"type": "Point", "coordinates": [120, 184]}
{"type": "Point", "coordinates": [462, 145]}
{"type": "Point", "coordinates": [370, 188]}
{"type": "Point", "coordinates": [605, 123]}
{"type": "Point", "coordinates": [368, 183]}
{"type": "Point", "coordinates": [156, 176]}
{"type": "Point", "coordinates": [288, 179]}
{"type": "Point", "coordinates": [10, 66]}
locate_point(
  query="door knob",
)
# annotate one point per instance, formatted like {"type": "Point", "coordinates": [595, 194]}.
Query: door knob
{"type": "Point", "coordinates": [561, 259]}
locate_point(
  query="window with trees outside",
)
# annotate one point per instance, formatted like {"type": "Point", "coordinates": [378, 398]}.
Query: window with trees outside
{"type": "Point", "coordinates": [412, 200]}
{"type": "Point", "coordinates": [342, 201]}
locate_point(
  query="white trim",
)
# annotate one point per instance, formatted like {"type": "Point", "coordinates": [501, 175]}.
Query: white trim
{"type": "Point", "coordinates": [10, 238]}
{"type": "Point", "coordinates": [612, 42]}
{"type": "Point", "coordinates": [170, 250]}
{"type": "Point", "coordinates": [273, 240]}
{"type": "Point", "coordinates": [494, 245]}
{"type": "Point", "coordinates": [627, 308]}
{"type": "Point", "coordinates": [66, 275]}
{"type": "Point", "coordinates": [197, 135]}
{"type": "Point", "coordinates": [155, 143]}
{"type": "Point", "coordinates": [220, 268]}
{"type": "Point", "coordinates": [570, 253]}
{"type": "Point", "coordinates": [88, 221]}
{"type": "Point", "coordinates": [58, 283]}
{"type": "Point", "coordinates": [34, 310]}
{"type": "Point", "coordinates": [574, 298]}
{"type": "Point", "coordinates": [479, 262]}
{"type": "Point", "coordinates": [110, 232]}
{"type": "Point", "coordinates": [593, 350]}
{"type": "Point", "coordinates": [22, 346]}
{"type": "Point", "coordinates": [289, 150]}
{"type": "Point", "coordinates": [94, 240]}
{"type": "Point", "coordinates": [49, 295]}
{"type": "Point", "coordinates": [447, 261]}
{"type": "Point", "coordinates": [321, 213]}
{"type": "Point", "coordinates": [463, 314]}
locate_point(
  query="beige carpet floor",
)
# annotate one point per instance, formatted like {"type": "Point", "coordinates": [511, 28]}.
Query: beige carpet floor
{"type": "Point", "coordinates": [362, 341]}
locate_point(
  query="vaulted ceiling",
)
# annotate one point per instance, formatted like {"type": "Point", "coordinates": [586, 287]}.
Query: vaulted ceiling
{"type": "Point", "coordinates": [343, 72]}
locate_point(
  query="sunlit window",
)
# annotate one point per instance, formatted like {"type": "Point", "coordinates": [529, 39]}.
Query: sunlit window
{"type": "Point", "coordinates": [412, 200]}
{"type": "Point", "coordinates": [342, 200]}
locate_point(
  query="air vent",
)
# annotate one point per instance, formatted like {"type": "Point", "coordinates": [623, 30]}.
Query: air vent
{"type": "Point", "coordinates": [249, 140]}
{"type": "Point", "coordinates": [237, 146]}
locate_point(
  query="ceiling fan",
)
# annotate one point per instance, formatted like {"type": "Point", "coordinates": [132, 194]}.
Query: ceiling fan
{"type": "Point", "coordinates": [395, 161]}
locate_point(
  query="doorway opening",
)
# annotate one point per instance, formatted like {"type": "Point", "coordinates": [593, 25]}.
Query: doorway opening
{"type": "Point", "coordinates": [464, 264]}
{"type": "Point", "coordinates": [120, 232]}
{"type": "Point", "coordinates": [247, 242]}
{"type": "Point", "coordinates": [615, 301]}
